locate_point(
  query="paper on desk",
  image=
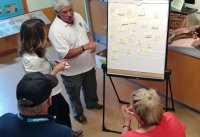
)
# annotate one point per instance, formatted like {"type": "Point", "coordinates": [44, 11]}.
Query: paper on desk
{"type": "Point", "coordinates": [182, 43]}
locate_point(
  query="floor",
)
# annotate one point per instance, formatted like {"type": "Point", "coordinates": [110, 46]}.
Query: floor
{"type": "Point", "coordinates": [11, 72]}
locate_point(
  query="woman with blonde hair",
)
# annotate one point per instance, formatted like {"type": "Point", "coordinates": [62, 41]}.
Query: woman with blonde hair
{"type": "Point", "coordinates": [147, 109]}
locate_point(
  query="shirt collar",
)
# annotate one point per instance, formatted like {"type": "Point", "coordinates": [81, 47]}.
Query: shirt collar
{"type": "Point", "coordinates": [37, 118]}
{"type": "Point", "coordinates": [61, 22]}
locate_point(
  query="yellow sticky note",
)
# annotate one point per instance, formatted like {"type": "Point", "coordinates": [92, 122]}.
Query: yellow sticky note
{"type": "Point", "coordinates": [132, 20]}
{"type": "Point", "coordinates": [122, 40]}
{"type": "Point", "coordinates": [141, 12]}
{"type": "Point", "coordinates": [155, 25]}
{"type": "Point", "coordinates": [148, 34]}
{"type": "Point", "coordinates": [143, 24]}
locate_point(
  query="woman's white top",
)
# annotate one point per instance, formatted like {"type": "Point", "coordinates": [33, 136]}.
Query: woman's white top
{"type": "Point", "coordinates": [33, 63]}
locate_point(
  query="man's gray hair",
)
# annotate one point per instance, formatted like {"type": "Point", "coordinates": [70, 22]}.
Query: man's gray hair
{"type": "Point", "coordinates": [37, 110]}
{"type": "Point", "coordinates": [58, 4]}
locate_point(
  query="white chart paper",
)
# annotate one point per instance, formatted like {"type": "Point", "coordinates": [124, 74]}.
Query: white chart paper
{"type": "Point", "coordinates": [137, 37]}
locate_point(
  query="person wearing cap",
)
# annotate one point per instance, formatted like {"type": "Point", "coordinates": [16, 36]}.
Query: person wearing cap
{"type": "Point", "coordinates": [72, 40]}
{"type": "Point", "coordinates": [33, 94]}
{"type": "Point", "coordinates": [147, 109]}
{"type": "Point", "coordinates": [33, 44]}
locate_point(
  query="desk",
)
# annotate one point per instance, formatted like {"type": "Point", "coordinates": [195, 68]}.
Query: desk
{"type": "Point", "coordinates": [185, 65]}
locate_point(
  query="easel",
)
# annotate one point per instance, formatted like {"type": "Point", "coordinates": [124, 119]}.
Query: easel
{"type": "Point", "coordinates": [168, 83]}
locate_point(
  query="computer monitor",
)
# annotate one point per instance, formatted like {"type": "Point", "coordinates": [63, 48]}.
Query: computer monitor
{"type": "Point", "coordinates": [190, 1]}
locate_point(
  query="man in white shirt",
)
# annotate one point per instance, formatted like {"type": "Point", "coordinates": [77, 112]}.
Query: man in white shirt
{"type": "Point", "coordinates": [72, 40]}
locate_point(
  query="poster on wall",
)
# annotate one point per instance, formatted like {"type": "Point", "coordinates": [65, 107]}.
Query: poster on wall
{"type": "Point", "coordinates": [137, 38]}
{"type": "Point", "coordinates": [34, 5]}
{"type": "Point", "coordinates": [12, 25]}
{"type": "Point", "coordinates": [10, 8]}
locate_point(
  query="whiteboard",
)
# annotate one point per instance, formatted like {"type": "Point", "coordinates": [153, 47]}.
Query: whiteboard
{"type": "Point", "coordinates": [137, 38]}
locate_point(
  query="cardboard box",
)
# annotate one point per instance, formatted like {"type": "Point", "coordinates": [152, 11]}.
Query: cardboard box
{"type": "Point", "coordinates": [101, 58]}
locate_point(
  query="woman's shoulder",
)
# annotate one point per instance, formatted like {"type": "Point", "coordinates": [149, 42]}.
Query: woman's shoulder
{"type": "Point", "coordinates": [29, 56]}
{"type": "Point", "coordinates": [32, 60]}
{"type": "Point", "coordinates": [168, 114]}
{"type": "Point", "coordinates": [32, 57]}
{"type": "Point", "coordinates": [170, 119]}
{"type": "Point", "coordinates": [32, 63]}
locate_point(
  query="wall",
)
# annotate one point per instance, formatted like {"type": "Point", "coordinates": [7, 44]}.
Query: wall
{"type": "Point", "coordinates": [78, 6]}
{"type": "Point", "coordinates": [98, 13]}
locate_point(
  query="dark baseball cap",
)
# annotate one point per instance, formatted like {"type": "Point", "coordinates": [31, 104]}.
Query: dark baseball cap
{"type": "Point", "coordinates": [34, 88]}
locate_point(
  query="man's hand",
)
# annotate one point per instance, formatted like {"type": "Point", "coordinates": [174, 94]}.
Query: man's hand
{"type": "Point", "coordinates": [91, 46]}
